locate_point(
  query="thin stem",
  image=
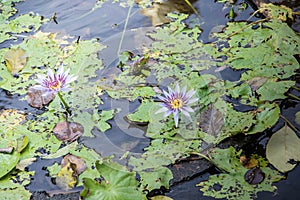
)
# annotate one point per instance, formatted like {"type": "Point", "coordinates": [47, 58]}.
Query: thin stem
{"type": "Point", "coordinates": [125, 27]}
{"type": "Point", "coordinates": [289, 123]}
{"type": "Point", "coordinates": [293, 96]}
{"type": "Point", "coordinates": [210, 160]}
{"type": "Point", "coordinates": [64, 103]}
{"type": "Point", "coordinates": [202, 155]}
{"type": "Point", "coordinates": [192, 7]}
{"type": "Point", "coordinates": [296, 88]}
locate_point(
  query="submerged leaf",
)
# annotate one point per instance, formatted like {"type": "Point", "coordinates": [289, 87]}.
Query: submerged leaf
{"type": "Point", "coordinates": [68, 131]}
{"type": "Point", "coordinates": [282, 148]}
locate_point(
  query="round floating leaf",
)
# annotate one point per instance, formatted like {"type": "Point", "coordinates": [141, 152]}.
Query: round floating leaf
{"type": "Point", "coordinates": [118, 183]}
{"type": "Point", "coordinates": [283, 147]}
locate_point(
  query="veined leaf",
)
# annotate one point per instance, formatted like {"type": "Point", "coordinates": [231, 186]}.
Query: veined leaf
{"type": "Point", "coordinates": [283, 147]}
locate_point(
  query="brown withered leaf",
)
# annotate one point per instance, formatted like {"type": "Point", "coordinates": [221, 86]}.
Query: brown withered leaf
{"type": "Point", "coordinates": [68, 131]}
{"type": "Point", "coordinates": [35, 98]}
{"type": "Point", "coordinates": [15, 60]}
{"type": "Point", "coordinates": [248, 162]}
{"type": "Point", "coordinates": [212, 121]}
{"type": "Point", "coordinates": [78, 164]}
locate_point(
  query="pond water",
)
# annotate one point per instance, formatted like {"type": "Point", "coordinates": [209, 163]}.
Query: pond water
{"type": "Point", "coordinates": [77, 18]}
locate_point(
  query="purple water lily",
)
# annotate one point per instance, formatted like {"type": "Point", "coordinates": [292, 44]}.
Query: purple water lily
{"type": "Point", "coordinates": [54, 82]}
{"type": "Point", "coordinates": [177, 101]}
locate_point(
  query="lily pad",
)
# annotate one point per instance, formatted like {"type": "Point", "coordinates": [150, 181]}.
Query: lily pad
{"type": "Point", "coordinates": [8, 162]}
{"type": "Point", "coordinates": [117, 183]}
{"type": "Point", "coordinates": [282, 148]}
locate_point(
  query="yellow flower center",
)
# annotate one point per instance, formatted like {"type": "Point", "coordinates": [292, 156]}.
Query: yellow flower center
{"type": "Point", "coordinates": [177, 103]}
{"type": "Point", "coordinates": [55, 85]}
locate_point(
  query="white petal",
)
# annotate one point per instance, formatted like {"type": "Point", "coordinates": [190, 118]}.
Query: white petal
{"type": "Point", "coordinates": [183, 90]}
{"type": "Point", "coordinates": [167, 113]}
{"type": "Point", "coordinates": [186, 113]}
{"type": "Point", "coordinates": [192, 100]}
{"type": "Point", "coordinates": [161, 98]}
{"type": "Point", "coordinates": [171, 92]}
{"type": "Point", "coordinates": [167, 95]}
{"type": "Point", "coordinates": [190, 93]}
{"type": "Point", "coordinates": [38, 87]}
{"type": "Point", "coordinates": [70, 79]}
{"type": "Point", "coordinates": [176, 118]}
{"type": "Point", "coordinates": [177, 89]}
{"type": "Point", "coordinates": [187, 109]}
{"type": "Point", "coordinates": [163, 109]}
{"type": "Point", "coordinates": [40, 78]}
{"type": "Point", "coordinates": [50, 73]}
{"type": "Point", "coordinates": [60, 71]}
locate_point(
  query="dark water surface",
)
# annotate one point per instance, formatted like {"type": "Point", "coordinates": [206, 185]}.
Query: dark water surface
{"type": "Point", "coordinates": [76, 18]}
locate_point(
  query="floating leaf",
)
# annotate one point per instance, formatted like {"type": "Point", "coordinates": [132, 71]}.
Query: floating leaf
{"type": "Point", "coordinates": [21, 143]}
{"type": "Point", "coordinates": [156, 178]}
{"type": "Point", "coordinates": [143, 112]}
{"type": "Point", "coordinates": [118, 183]}
{"type": "Point", "coordinates": [8, 162]}
{"type": "Point", "coordinates": [272, 90]}
{"type": "Point", "coordinates": [282, 148]}
{"type": "Point", "coordinates": [102, 118]}
{"type": "Point", "coordinates": [232, 183]}
{"type": "Point", "coordinates": [267, 116]}
{"type": "Point", "coordinates": [15, 60]}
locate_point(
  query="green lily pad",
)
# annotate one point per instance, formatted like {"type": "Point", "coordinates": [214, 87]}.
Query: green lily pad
{"type": "Point", "coordinates": [118, 183]}
{"type": "Point", "coordinates": [283, 146]}
{"type": "Point", "coordinates": [8, 162]}
{"type": "Point", "coordinates": [232, 184]}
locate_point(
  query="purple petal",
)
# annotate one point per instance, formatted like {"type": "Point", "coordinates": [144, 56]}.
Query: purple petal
{"type": "Point", "coordinates": [167, 95]}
